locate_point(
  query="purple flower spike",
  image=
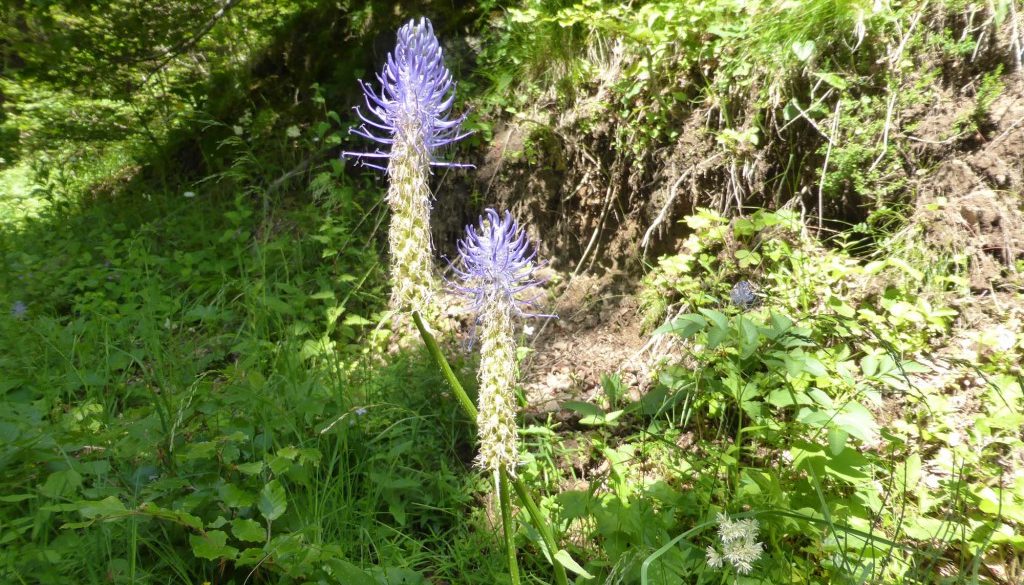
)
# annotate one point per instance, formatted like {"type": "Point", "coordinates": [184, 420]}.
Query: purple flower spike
{"type": "Point", "coordinates": [497, 264]}
{"type": "Point", "coordinates": [415, 100]}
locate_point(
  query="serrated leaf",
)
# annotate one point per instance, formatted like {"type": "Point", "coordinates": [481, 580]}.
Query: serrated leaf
{"type": "Point", "coordinates": [289, 452]}
{"type": "Point", "coordinates": [273, 500]}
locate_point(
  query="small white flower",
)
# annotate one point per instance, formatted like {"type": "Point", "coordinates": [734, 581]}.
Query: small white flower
{"type": "Point", "coordinates": [528, 329]}
{"type": "Point", "coordinates": [740, 547]}
{"type": "Point", "coordinates": [292, 132]}
{"type": "Point", "coordinates": [238, 130]}
{"type": "Point", "coordinates": [714, 559]}
{"type": "Point", "coordinates": [189, 194]}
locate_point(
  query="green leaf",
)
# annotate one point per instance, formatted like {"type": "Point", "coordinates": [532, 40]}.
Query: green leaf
{"type": "Point", "coordinates": [248, 530]}
{"type": "Point", "coordinates": [814, 367]}
{"type": "Point", "coordinates": [566, 560]}
{"type": "Point", "coordinates": [61, 483]}
{"type": "Point", "coordinates": [236, 497]}
{"type": "Point", "coordinates": [719, 319]}
{"type": "Point", "coordinates": [841, 308]}
{"type": "Point", "coordinates": [583, 408]}
{"type": "Point", "coordinates": [832, 79]}
{"type": "Point", "coordinates": [686, 326]}
{"type": "Point", "coordinates": [250, 468]}
{"type": "Point", "coordinates": [212, 546]}
{"type": "Point", "coordinates": [106, 507]}
{"type": "Point", "coordinates": [784, 397]}
{"type": "Point", "coordinates": [356, 320]}
{"type": "Point", "coordinates": [345, 572]}
{"type": "Point", "coordinates": [857, 421]}
{"type": "Point", "coordinates": [273, 501]}
{"type": "Point", "coordinates": [869, 365]}
{"type": "Point", "coordinates": [14, 498]}
{"type": "Point", "coordinates": [837, 440]}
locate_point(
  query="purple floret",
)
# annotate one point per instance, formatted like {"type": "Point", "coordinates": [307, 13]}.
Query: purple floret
{"type": "Point", "coordinates": [416, 96]}
{"type": "Point", "coordinates": [496, 262]}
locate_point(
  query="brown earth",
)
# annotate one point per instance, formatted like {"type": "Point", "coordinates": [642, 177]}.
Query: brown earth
{"type": "Point", "coordinates": [600, 214]}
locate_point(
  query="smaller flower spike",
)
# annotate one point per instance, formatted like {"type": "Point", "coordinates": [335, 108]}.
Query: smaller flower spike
{"type": "Point", "coordinates": [415, 100]}
{"type": "Point", "coordinates": [497, 264]}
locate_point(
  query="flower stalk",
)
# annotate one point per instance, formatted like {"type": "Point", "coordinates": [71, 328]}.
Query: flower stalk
{"type": "Point", "coordinates": [536, 516]}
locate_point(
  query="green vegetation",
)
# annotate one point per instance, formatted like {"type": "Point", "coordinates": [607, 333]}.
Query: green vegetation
{"type": "Point", "coordinates": [201, 380]}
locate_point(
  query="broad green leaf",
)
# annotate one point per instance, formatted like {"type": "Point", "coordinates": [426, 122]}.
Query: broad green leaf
{"type": "Point", "coordinates": [716, 317]}
{"type": "Point", "coordinates": [106, 507]}
{"type": "Point", "coordinates": [212, 546]}
{"type": "Point", "coordinates": [784, 397]}
{"type": "Point", "coordinates": [832, 79]}
{"type": "Point", "coordinates": [61, 483]}
{"type": "Point", "coordinates": [583, 408]}
{"type": "Point", "coordinates": [837, 440]}
{"type": "Point", "coordinates": [248, 530]}
{"type": "Point", "coordinates": [686, 326]}
{"type": "Point", "coordinates": [273, 501]}
{"type": "Point", "coordinates": [869, 365]}
{"type": "Point", "coordinates": [858, 421]}
{"type": "Point", "coordinates": [250, 468]}
{"type": "Point", "coordinates": [236, 497]}
{"type": "Point", "coordinates": [814, 367]}
{"type": "Point", "coordinates": [356, 320]}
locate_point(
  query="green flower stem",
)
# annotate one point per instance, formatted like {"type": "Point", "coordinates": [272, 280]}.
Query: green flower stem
{"type": "Point", "coordinates": [506, 525]}
{"type": "Point", "coordinates": [536, 517]}
{"type": "Point", "coordinates": [435, 352]}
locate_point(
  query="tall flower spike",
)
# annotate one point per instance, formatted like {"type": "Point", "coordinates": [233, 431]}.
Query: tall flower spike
{"type": "Point", "coordinates": [415, 100]}
{"type": "Point", "coordinates": [496, 267]}
{"type": "Point", "coordinates": [411, 115]}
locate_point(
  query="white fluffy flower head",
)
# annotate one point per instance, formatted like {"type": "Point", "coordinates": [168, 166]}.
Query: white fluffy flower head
{"type": "Point", "coordinates": [739, 544]}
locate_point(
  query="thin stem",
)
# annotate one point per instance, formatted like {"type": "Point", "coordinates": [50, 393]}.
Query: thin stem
{"type": "Point", "coordinates": [506, 525]}
{"type": "Point", "coordinates": [435, 352]}
{"type": "Point", "coordinates": [536, 516]}
{"type": "Point", "coordinates": [540, 523]}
